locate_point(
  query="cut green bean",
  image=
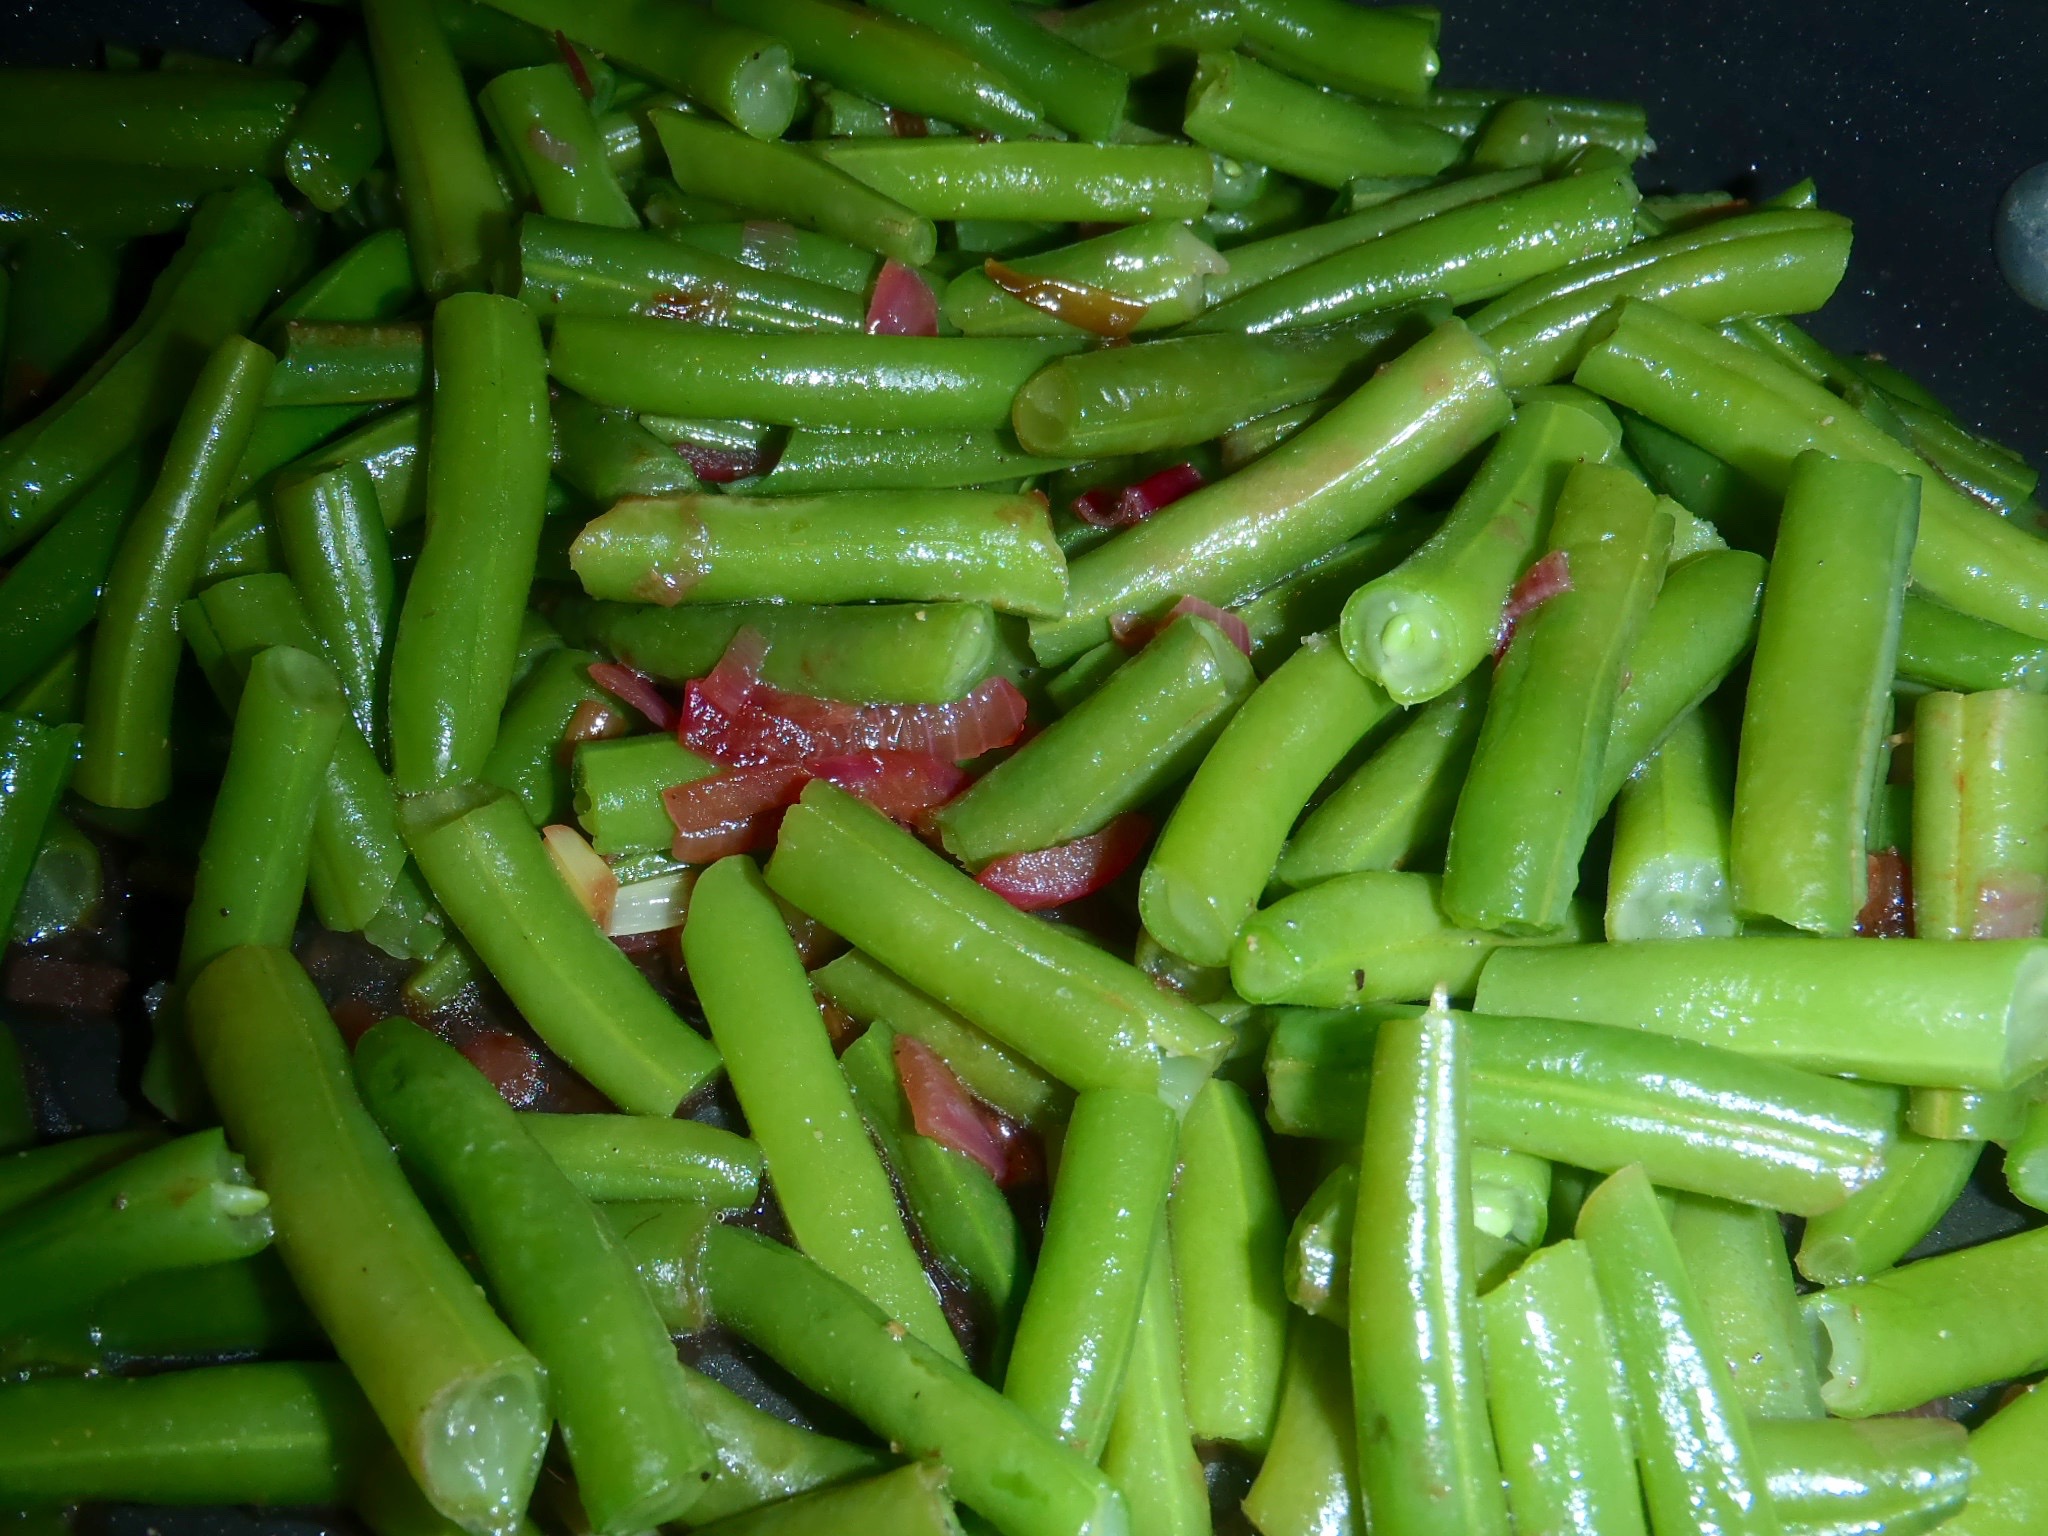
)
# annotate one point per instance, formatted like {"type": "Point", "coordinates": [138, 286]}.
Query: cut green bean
{"type": "Point", "coordinates": [1530, 799]}
{"type": "Point", "coordinates": [637, 1451]}
{"type": "Point", "coordinates": [1312, 599]}
{"type": "Point", "coordinates": [1969, 1114]}
{"type": "Point", "coordinates": [451, 656]}
{"type": "Point", "coordinates": [36, 762]}
{"type": "Point", "coordinates": [831, 1186]}
{"type": "Point", "coordinates": [1076, 90]}
{"type": "Point", "coordinates": [2008, 1489]}
{"type": "Point", "coordinates": [774, 246]}
{"type": "Point", "coordinates": [763, 1459]}
{"type": "Point", "coordinates": [1879, 1224]}
{"type": "Point", "coordinates": [327, 363]}
{"type": "Point", "coordinates": [1149, 1454]}
{"type": "Point", "coordinates": [126, 759]}
{"type": "Point", "coordinates": [1980, 825]}
{"type": "Point", "coordinates": [1381, 52]}
{"type": "Point", "coordinates": [551, 143]}
{"type": "Point", "coordinates": [572, 984]}
{"type": "Point", "coordinates": [1425, 1449]}
{"type": "Point", "coordinates": [618, 787]}
{"type": "Point", "coordinates": [1030, 180]}
{"type": "Point", "coordinates": [60, 311]}
{"type": "Point", "coordinates": [338, 135]}
{"type": "Point", "coordinates": [836, 547]}
{"type": "Point", "coordinates": [1940, 648]}
{"type": "Point", "coordinates": [1395, 809]}
{"type": "Point", "coordinates": [910, 1500]}
{"type": "Point", "coordinates": [1141, 36]}
{"type": "Point", "coordinates": [339, 554]}
{"type": "Point", "coordinates": [1814, 716]}
{"type": "Point", "coordinates": [1418, 415]}
{"type": "Point", "coordinates": [171, 119]}
{"type": "Point", "coordinates": [1160, 268]}
{"type": "Point", "coordinates": [637, 1157]}
{"type": "Point", "coordinates": [1240, 107]}
{"type": "Point", "coordinates": [606, 454]}
{"type": "Point", "coordinates": [1308, 1483]}
{"type": "Point", "coordinates": [1080, 1316]}
{"type": "Point", "coordinates": [1165, 707]}
{"type": "Point", "coordinates": [52, 592]}
{"type": "Point", "coordinates": [125, 201]}
{"type": "Point", "coordinates": [1836, 1478]}
{"type": "Point", "coordinates": [1548, 130]}
{"type": "Point", "coordinates": [1552, 1380]}
{"type": "Point", "coordinates": [1434, 618]}
{"type": "Point", "coordinates": [37, 1171]}
{"type": "Point", "coordinates": [1668, 875]}
{"type": "Point", "coordinates": [530, 758]}
{"type": "Point", "coordinates": [1742, 1274]}
{"type": "Point", "coordinates": [859, 461]}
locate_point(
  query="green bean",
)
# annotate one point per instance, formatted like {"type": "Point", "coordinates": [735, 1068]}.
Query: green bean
{"type": "Point", "coordinates": [584, 269]}
{"type": "Point", "coordinates": [1466, 252]}
{"type": "Point", "coordinates": [324, 363]}
{"type": "Point", "coordinates": [1418, 415]}
{"type": "Point", "coordinates": [126, 756]}
{"type": "Point", "coordinates": [456, 215]}
{"type": "Point", "coordinates": [636, 1157]}
{"type": "Point", "coordinates": [1240, 107]}
{"type": "Point", "coordinates": [236, 253]}
{"type": "Point", "coordinates": [1881, 1222]}
{"type": "Point", "coordinates": [1698, 1458]}
{"type": "Point", "coordinates": [910, 1499]}
{"type": "Point", "coordinates": [637, 1452]}
{"type": "Point", "coordinates": [181, 1205]}
{"type": "Point", "coordinates": [2008, 1488]}
{"type": "Point", "coordinates": [1159, 266]}
{"type": "Point", "coordinates": [858, 461]}
{"type": "Point", "coordinates": [1530, 799]}
{"type": "Point", "coordinates": [776, 247]}
{"type": "Point", "coordinates": [1668, 875]}
{"type": "Point", "coordinates": [451, 656]}
{"type": "Point", "coordinates": [277, 1434]}
{"type": "Point", "coordinates": [339, 554]}
{"type": "Point", "coordinates": [831, 382]}
{"type": "Point", "coordinates": [964, 1220]}
{"type": "Point", "coordinates": [1699, 480]}
{"type": "Point", "coordinates": [1548, 130]}
{"type": "Point", "coordinates": [835, 547]}
{"type": "Point", "coordinates": [1080, 1316]}
{"type": "Point", "coordinates": [603, 455]}
{"type": "Point", "coordinates": [1309, 601]}
{"type": "Point", "coordinates": [550, 141]}
{"type": "Point", "coordinates": [36, 762]}
{"type": "Point", "coordinates": [924, 653]}
{"type": "Point", "coordinates": [841, 1345]}
{"type": "Point", "coordinates": [1088, 1019]}
{"type": "Point", "coordinates": [1371, 936]}
{"type": "Point", "coordinates": [846, 115]}
{"type": "Point", "coordinates": [60, 315]}
{"type": "Point", "coordinates": [1228, 1232]}
{"type": "Point", "coordinates": [582, 995]}
{"type": "Point", "coordinates": [52, 592]}
{"type": "Point", "coordinates": [1073, 88]}
{"type": "Point", "coordinates": [1980, 829]}
{"type": "Point", "coordinates": [1141, 36]}
{"type": "Point", "coordinates": [890, 60]}
{"type": "Point", "coordinates": [763, 1459]}
{"type": "Point", "coordinates": [170, 119]}
{"type": "Point", "coordinates": [1552, 1380]}
{"type": "Point", "coordinates": [1969, 1114]}
{"type": "Point", "coordinates": [531, 757]}
{"type": "Point", "coordinates": [1307, 1484]}
{"type": "Point", "coordinates": [1699, 1118]}
{"type": "Point", "coordinates": [1388, 52]}
{"type": "Point", "coordinates": [1395, 808]}
{"type": "Point", "coordinates": [1941, 648]}
{"type": "Point", "coordinates": [618, 787]}
{"type": "Point", "coordinates": [738, 72]}
{"type": "Point", "coordinates": [1736, 1258]}
{"type": "Point", "coordinates": [1927, 1014]}
{"type": "Point", "coordinates": [870, 995]}
{"type": "Point", "coordinates": [2026, 1160]}
{"type": "Point", "coordinates": [1202, 882]}
{"type": "Point", "coordinates": [830, 1184]}
{"type": "Point", "coordinates": [125, 202]}
{"type": "Point", "coordinates": [1813, 721]}
{"type": "Point", "coordinates": [462, 1401]}
{"type": "Point", "coordinates": [1429, 622]}
{"type": "Point", "coordinates": [1188, 389]}
{"type": "Point", "coordinates": [338, 134]}
{"type": "Point", "coordinates": [1425, 1450]}
{"type": "Point", "coordinates": [30, 1174]}
{"type": "Point", "coordinates": [1836, 1478]}
{"type": "Point", "coordinates": [663, 1240]}
{"type": "Point", "coordinates": [1033, 180]}
{"type": "Point", "coordinates": [1704, 619]}
{"type": "Point", "coordinates": [1149, 1454]}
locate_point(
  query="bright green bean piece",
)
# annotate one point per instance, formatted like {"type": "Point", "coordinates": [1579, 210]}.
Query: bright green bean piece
{"type": "Point", "coordinates": [126, 758]}
{"type": "Point", "coordinates": [1435, 617]}
{"type": "Point", "coordinates": [1076, 90]}
{"type": "Point", "coordinates": [1881, 1222]}
{"type": "Point", "coordinates": [1552, 1380]}
{"type": "Point", "coordinates": [910, 1500]}
{"type": "Point", "coordinates": [550, 141]}
{"type": "Point", "coordinates": [1228, 1233]}
{"type": "Point", "coordinates": [836, 547]}
{"type": "Point", "coordinates": [1385, 51]}
{"type": "Point", "coordinates": [273, 1434]}
{"type": "Point", "coordinates": [1165, 707]}
{"type": "Point", "coordinates": [37, 1171]}
{"type": "Point", "coordinates": [1372, 936]}
{"type": "Point", "coordinates": [1980, 823]}
{"type": "Point", "coordinates": [1668, 875]}
{"type": "Point", "coordinates": [338, 135]}
{"type": "Point", "coordinates": [763, 1459]}
{"type": "Point", "coordinates": [869, 994]}
{"type": "Point", "coordinates": [1240, 107]}
{"type": "Point", "coordinates": [1969, 1114]}
{"type": "Point", "coordinates": [1813, 719]}
{"type": "Point", "coordinates": [1080, 1316]}
{"type": "Point", "coordinates": [578, 990]}
{"type": "Point", "coordinates": [1308, 1482]}
{"type": "Point", "coordinates": [773, 246]}
{"type": "Point", "coordinates": [531, 758]}
{"type": "Point", "coordinates": [859, 461]}
{"type": "Point", "coordinates": [638, 1157]}
{"type": "Point", "coordinates": [1940, 648]}
{"type": "Point", "coordinates": [1030, 180]}
{"type": "Point", "coordinates": [1160, 267]}
{"type": "Point", "coordinates": [637, 1451]}
{"type": "Point", "coordinates": [35, 765]}
{"type": "Point", "coordinates": [339, 554]}
{"type": "Point", "coordinates": [1836, 1478]}
{"type": "Point", "coordinates": [1548, 130]}
{"type": "Point", "coordinates": [1311, 600]}
{"type": "Point", "coordinates": [606, 454]}
{"type": "Point", "coordinates": [1394, 811]}
{"type": "Point", "coordinates": [2008, 1488]}
{"type": "Point", "coordinates": [328, 363]}
{"type": "Point", "coordinates": [1202, 883]}
{"type": "Point", "coordinates": [1700, 1468]}
{"type": "Point", "coordinates": [1141, 36]}
{"type": "Point", "coordinates": [1418, 415]}
{"type": "Point", "coordinates": [830, 1184]}
{"type": "Point", "coordinates": [451, 657]}
{"type": "Point", "coordinates": [1149, 1453]}
{"type": "Point", "coordinates": [618, 787]}
{"type": "Point", "coordinates": [1425, 1449]}
{"type": "Point", "coordinates": [1024, 1482]}
{"type": "Point", "coordinates": [1742, 1274]}
{"type": "Point", "coordinates": [1531, 797]}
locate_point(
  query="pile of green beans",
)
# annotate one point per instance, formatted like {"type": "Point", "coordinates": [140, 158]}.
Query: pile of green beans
{"type": "Point", "coordinates": [1161, 780]}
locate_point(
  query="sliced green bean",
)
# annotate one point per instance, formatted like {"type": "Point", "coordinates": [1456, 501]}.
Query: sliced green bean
{"type": "Point", "coordinates": [1159, 266]}
{"type": "Point", "coordinates": [1387, 52]}
{"type": "Point", "coordinates": [1941, 648]}
{"type": "Point", "coordinates": [36, 763]}
{"type": "Point", "coordinates": [1242, 108]}
{"type": "Point", "coordinates": [1032, 180]}
{"type": "Point", "coordinates": [339, 554]}
{"type": "Point", "coordinates": [1668, 875]}
{"type": "Point", "coordinates": [37, 1171]}
{"type": "Point", "coordinates": [618, 786]}
{"type": "Point", "coordinates": [338, 135]}
{"type": "Point", "coordinates": [1308, 1483]}
{"type": "Point", "coordinates": [1548, 130]}
{"type": "Point", "coordinates": [773, 246]}
{"type": "Point", "coordinates": [1140, 36]}
{"type": "Point", "coordinates": [910, 1500]}
{"type": "Point", "coordinates": [1880, 1223]}
{"type": "Point", "coordinates": [1149, 1454]}
{"type": "Point", "coordinates": [763, 1459]}
{"type": "Point", "coordinates": [858, 461]}
{"type": "Point", "coordinates": [172, 119]}
{"type": "Point", "coordinates": [1835, 1477]}
{"type": "Point", "coordinates": [52, 592]}
{"type": "Point", "coordinates": [551, 143]}
{"type": "Point", "coordinates": [1742, 1274]}
{"type": "Point", "coordinates": [637, 1157]}
{"type": "Point", "coordinates": [1980, 827]}
{"type": "Point", "coordinates": [60, 310]}
{"type": "Point", "coordinates": [327, 363]}
{"type": "Point", "coordinates": [1312, 599]}
{"type": "Point", "coordinates": [531, 757]}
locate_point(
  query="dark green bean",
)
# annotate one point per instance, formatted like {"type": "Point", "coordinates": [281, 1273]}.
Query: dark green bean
{"type": "Point", "coordinates": [339, 132]}
{"type": "Point", "coordinates": [35, 765]}
{"type": "Point", "coordinates": [1239, 107]}
{"type": "Point", "coordinates": [1385, 51]}
{"type": "Point", "coordinates": [339, 554]}
{"type": "Point", "coordinates": [110, 202]}
{"type": "Point", "coordinates": [552, 146]}
{"type": "Point", "coordinates": [174, 120]}
{"type": "Point", "coordinates": [328, 363]}
{"type": "Point", "coordinates": [1077, 91]}
{"type": "Point", "coordinates": [60, 314]}
{"type": "Point", "coordinates": [964, 178]}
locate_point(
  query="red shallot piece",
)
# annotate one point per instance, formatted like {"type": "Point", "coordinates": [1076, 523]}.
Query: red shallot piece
{"type": "Point", "coordinates": [943, 1110]}
{"type": "Point", "coordinates": [1547, 578]}
{"type": "Point", "coordinates": [733, 812]}
{"type": "Point", "coordinates": [637, 689]}
{"type": "Point", "coordinates": [902, 304]}
{"type": "Point", "coordinates": [1052, 877]}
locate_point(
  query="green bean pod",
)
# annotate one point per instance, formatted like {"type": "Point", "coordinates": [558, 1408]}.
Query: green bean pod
{"type": "Point", "coordinates": [1941, 648]}
{"type": "Point", "coordinates": [1141, 36]}
{"type": "Point", "coordinates": [910, 1500]}
{"type": "Point", "coordinates": [1425, 1449]}
{"type": "Point", "coordinates": [1876, 1227]}
{"type": "Point", "coordinates": [1700, 1468]}
{"type": "Point", "coordinates": [229, 121]}
{"type": "Point", "coordinates": [1980, 826]}
{"type": "Point", "coordinates": [550, 141]}
{"type": "Point", "coordinates": [339, 554]}
{"type": "Point", "coordinates": [860, 461]}
{"type": "Point", "coordinates": [1386, 53]}
{"type": "Point", "coordinates": [1813, 721]}
{"type": "Point", "coordinates": [1159, 266]}
{"type": "Point", "coordinates": [836, 547]}
{"type": "Point", "coordinates": [60, 309]}
{"type": "Point", "coordinates": [1969, 1114]}
{"type": "Point", "coordinates": [1149, 1453]}
{"type": "Point", "coordinates": [1833, 1477]}
{"type": "Point", "coordinates": [1308, 1483]}
{"type": "Point", "coordinates": [963, 178]}
{"type": "Point", "coordinates": [1549, 130]}
{"type": "Point", "coordinates": [36, 762]}
{"type": "Point", "coordinates": [577, 989]}
{"type": "Point", "coordinates": [637, 1451]}
{"type": "Point", "coordinates": [1668, 875]}
{"type": "Point", "coordinates": [618, 786]}
{"type": "Point", "coordinates": [338, 134]}
{"type": "Point", "coordinates": [1435, 617]}
{"type": "Point", "coordinates": [1076, 90]}
{"type": "Point", "coordinates": [1244, 109]}
{"type": "Point", "coordinates": [1530, 799]}
{"type": "Point", "coordinates": [451, 657]}
{"type": "Point", "coordinates": [638, 1157]}
{"type": "Point", "coordinates": [331, 363]}
{"type": "Point", "coordinates": [2008, 1489]}
{"type": "Point", "coordinates": [35, 1171]}
{"type": "Point", "coordinates": [1418, 415]}
{"type": "Point", "coordinates": [51, 593]}
{"type": "Point", "coordinates": [126, 758]}
{"type": "Point", "coordinates": [829, 1182]}
{"type": "Point", "coordinates": [763, 1459]}
{"type": "Point", "coordinates": [1311, 600]}
{"type": "Point", "coordinates": [1749, 1299]}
